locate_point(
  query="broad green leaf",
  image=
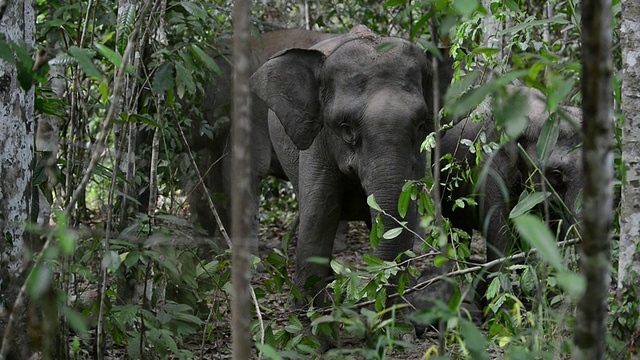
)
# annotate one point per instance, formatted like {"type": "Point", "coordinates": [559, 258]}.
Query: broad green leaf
{"type": "Point", "coordinates": [547, 140]}
{"type": "Point", "coordinates": [390, 3]}
{"type": "Point", "coordinates": [371, 201]}
{"type": "Point", "coordinates": [206, 59]}
{"type": "Point", "coordinates": [471, 100]}
{"type": "Point", "coordinates": [163, 79]}
{"type": "Point", "coordinates": [536, 233]}
{"type": "Point", "coordinates": [474, 341]}
{"type": "Point", "coordinates": [493, 288]}
{"type": "Point", "coordinates": [110, 55]}
{"type": "Point", "coordinates": [392, 233]}
{"type": "Point", "coordinates": [440, 260]}
{"type": "Point", "coordinates": [513, 114]}
{"type": "Point", "coordinates": [574, 284]}
{"type": "Point", "coordinates": [76, 321]}
{"type": "Point", "coordinates": [103, 88]}
{"type": "Point", "coordinates": [466, 7]}
{"type": "Point", "coordinates": [39, 280]}
{"type": "Point", "coordinates": [512, 5]}
{"type": "Point", "coordinates": [83, 56]}
{"type": "Point", "coordinates": [527, 203]}
{"type": "Point", "coordinates": [183, 76]}
{"type": "Point", "coordinates": [403, 203]}
{"type": "Point", "coordinates": [6, 53]}
{"type": "Point", "coordinates": [268, 351]}
{"type": "Point", "coordinates": [374, 239]}
{"type": "Point", "coordinates": [194, 9]}
{"type": "Point", "coordinates": [557, 93]}
{"type": "Point", "coordinates": [131, 258]}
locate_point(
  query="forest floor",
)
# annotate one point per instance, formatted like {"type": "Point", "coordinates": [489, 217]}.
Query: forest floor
{"type": "Point", "coordinates": [278, 307]}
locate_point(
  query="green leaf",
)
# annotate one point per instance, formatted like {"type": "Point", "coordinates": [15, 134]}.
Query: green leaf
{"type": "Point", "coordinates": [547, 140]}
{"type": "Point", "coordinates": [392, 233]}
{"type": "Point", "coordinates": [39, 280]}
{"type": "Point", "coordinates": [466, 7]}
{"type": "Point", "coordinates": [403, 202]}
{"type": "Point", "coordinates": [83, 56]}
{"type": "Point", "coordinates": [194, 10]}
{"type": "Point", "coordinates": [268, 351]}
{"type": "Point", "coordinates": [206, 60]}
{"type": "Point", "coordinates": [390, 3]}
{"type": "Point", "coordinates": [474, 341]}
{"type": "Point", "coordinates": [493, 288]}
{"type": "Point", "coordinates": [440, 260]}
{"type": "Point", "coordinates": [574, 284]}
{"type": "Point", "coordinates": [6, 53]}
{"type": "Point", "coordinates": [527, 203]}
{"type": "Point", "coordinates": [131, 258]}
{"type": "Point", "coordinates": [76, 321]}
{"type": "Point", "coordinates": [103, 88]}
{"type": "Point", "coordinates": [371, 201]}
{"type": "Point", "coordinates": [49, 106]}
{"type": "Point", "coordinates": [513, 114]}
{"type": "Point", "coordinates": [536, 233]}
{"type": "Point", "coordinates": [183, 76]}
{"type": "Point", "coordinates": [110, 55]}
{"type": "Point", "coordinates": [163, 79]}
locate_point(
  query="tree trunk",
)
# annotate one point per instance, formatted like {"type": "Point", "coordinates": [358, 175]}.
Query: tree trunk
{"type": "Point", "coordinates": [242, 219]}
{"type": "Point", "coordinates": [597, 212]}
{"type": "Point", "coordinates": [16, 160]}
{"type": "Point", "coordinates": [629, 264]}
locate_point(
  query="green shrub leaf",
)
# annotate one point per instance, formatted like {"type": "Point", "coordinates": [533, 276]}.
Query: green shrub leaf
{"type": "Point", "coordinates": [536, 233]}
{"type": "Point", "coordinates": [527, 203]}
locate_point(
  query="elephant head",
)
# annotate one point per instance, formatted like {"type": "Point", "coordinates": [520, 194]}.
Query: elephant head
{"type": "Point", "coordinates": [562, 165]}
{"type": "Point", "coordinates": [348, 118]}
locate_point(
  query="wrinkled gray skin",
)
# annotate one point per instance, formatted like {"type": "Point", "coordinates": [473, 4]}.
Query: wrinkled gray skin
{"type": "Point", "coordinates": [508, 172]}
{"type": "Point", "coordinates": [214, 155]}
{"type": "Point", "coordinates": [347, 122]}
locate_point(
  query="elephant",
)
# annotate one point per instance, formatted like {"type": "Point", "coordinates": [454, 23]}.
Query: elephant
{"type": "Point", "coordinates": [214, 154]}
{"type": "Point", "coordinates": [508, 170]}
{"type": "Point", "coordinates": [346, 121]}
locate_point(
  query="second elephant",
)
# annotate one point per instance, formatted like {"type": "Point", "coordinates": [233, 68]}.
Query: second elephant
{"type": "Point", "coordinates": [508, 169]}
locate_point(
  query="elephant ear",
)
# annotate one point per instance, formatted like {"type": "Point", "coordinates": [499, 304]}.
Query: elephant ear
{"type": "Point", "coordinates": [289, 85]}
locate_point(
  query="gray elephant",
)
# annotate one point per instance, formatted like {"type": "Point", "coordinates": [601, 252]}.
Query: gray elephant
{"type": "Point", "coordinates": [214, 154]}
{"type": "Point", "coordinates": [509, 170]}
{"type": "Point", "coordinates": [506, 173]}
{"type": "Point", "coordinates": [347, 120]}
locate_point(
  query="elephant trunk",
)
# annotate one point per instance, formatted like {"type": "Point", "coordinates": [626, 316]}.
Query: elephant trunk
{"type": "Point", "coordinates": [384, 180]}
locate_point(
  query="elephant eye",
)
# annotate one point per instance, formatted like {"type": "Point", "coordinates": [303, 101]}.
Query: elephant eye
{"type": "Point", "coordinates": [347, 133]}
{"type": "Point", "coordinates": [556, 178]}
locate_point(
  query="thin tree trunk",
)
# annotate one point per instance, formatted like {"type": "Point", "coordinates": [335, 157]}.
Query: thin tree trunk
{"type": "Point", "coordinates": [242, 224]}
{"type": "Point", "coordinates": [16, 160]}
{"type": "Point", "coordinates": [629, 263]}
{"type": "Point", "coordinates": [597, 212]}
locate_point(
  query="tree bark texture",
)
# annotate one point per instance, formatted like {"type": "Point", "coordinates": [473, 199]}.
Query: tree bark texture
{"type": "Point", "coordinates": [629, 262]}
{"type": "Point", "coordinates": [241, 180]}
{"type": "Point", "coordinates": [597, 211]}
{"type": "Point", "coordinates": [16, 159]}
